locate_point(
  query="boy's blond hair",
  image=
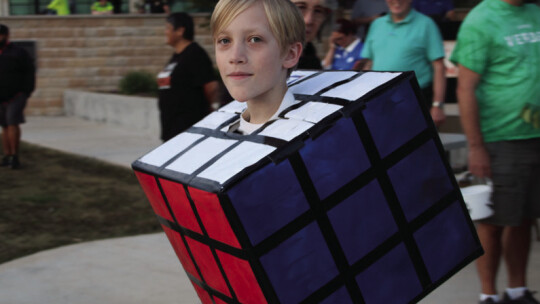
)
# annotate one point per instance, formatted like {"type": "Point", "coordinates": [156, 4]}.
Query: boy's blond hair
{"type": "Point", "coordinates": [286, 21]}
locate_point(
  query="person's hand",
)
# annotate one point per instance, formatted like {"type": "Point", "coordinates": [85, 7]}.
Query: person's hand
{"type": "Point", "coordinates": [332, 40]}
{"type": "Point", "coordinates": [479, 162]}
{"type": "Point", "coordinates": [438, 116]}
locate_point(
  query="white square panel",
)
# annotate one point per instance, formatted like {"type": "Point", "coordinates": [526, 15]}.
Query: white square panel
{"type": "Point", "coordinates": [242, 156]}
{"type": "Point", "coordinates": [200, 155]}
{"type": "Point", "coordinates": [168, 150]}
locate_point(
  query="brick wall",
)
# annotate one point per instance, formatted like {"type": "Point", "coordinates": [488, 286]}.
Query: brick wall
{"type": "Point", "coordinates": [93, 52]}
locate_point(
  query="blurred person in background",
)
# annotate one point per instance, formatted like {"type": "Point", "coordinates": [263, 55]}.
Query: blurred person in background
{"type": "Point", "coordinates": [187, 85]}
{"type": "Point", "coordinates": [405, 40]}
{"type": "Point", "coordinates": [17, 82]}
{"type": "Point", "coordinates": [498, 56]}
{"type": "Point", "coordinates": [157, 6]}
{"type": "Point", "coordinates": [344, 48]}
{"type": "Point", "coordinates": [102, 7]}
{"type": "Point", "coordinates": [316, 14]}
{"type": "Point", "coordinates": [58, 7]}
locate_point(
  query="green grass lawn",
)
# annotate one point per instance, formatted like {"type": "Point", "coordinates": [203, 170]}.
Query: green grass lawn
{"type": "Point", "coordinates": [56, 199]}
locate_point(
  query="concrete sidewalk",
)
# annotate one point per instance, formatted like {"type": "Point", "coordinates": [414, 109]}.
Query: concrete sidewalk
{"type": "Point", "coordinates": [141, 269]}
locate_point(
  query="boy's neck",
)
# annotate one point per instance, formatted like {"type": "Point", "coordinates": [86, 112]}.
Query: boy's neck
{"type": "Point", "coordinates": [260, 111]}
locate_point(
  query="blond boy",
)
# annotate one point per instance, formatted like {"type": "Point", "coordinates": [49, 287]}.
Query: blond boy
{"type": "Point", "coordinates": [257, 43]}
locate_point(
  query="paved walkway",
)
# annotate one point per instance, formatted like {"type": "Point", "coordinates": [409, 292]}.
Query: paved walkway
{"type": "Point", "coordinates": [140, 269]}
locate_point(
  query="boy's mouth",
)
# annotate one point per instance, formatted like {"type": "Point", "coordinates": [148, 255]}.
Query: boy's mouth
{"type": "Point", "coordinates": [239, 75]}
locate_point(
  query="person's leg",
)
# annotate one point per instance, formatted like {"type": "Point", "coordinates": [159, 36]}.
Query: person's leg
{"type": "Point", "coordinates": [516, 248]}
{"type": "Point", "coordinates": [488, 264]}
{"type": "Point", "coordinates": [5, 142]}
{"type": "Point", "coordinates": [13, 133]}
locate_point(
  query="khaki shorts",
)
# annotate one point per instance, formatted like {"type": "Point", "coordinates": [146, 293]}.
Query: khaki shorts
{"type": "Point", "coordinates": [515, 168]}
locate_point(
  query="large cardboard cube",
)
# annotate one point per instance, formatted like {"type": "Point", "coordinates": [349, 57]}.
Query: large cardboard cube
{"type": "Point", "coordinates": [347, 198]}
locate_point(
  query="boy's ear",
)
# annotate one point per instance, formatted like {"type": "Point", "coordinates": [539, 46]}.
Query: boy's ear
{"type": "Point", "coordinates": [292, 55]}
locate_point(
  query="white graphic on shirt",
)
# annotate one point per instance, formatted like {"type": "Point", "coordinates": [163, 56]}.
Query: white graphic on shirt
{"type": "Point", "coordinates": [164, 77]}
{"type": "Point", "coordinates": [522, 38]}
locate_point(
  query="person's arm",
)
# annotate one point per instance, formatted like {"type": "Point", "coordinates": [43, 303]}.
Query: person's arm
{"type": "Point", "coordinates": [439, 91]}
{"type": "Point", "coordinates": [211, 92]}
{"type": "Point", "coordinates": [329, 58]}
{"type": "Point", "coordinates": [367, 65]}
{"type": "Point", "coordinates": [29, 81]}
{"type": "Point", "coordinates": [479, 162]}
{"type": "Point", "coordinates": [167, 9]}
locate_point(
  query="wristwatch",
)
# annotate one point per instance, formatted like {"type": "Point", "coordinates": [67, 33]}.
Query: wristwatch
{"type": "Point", "coordinates": [438, 104]}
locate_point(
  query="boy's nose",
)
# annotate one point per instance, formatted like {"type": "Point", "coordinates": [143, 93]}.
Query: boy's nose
{"type": "Point", "coordinates": [238, 54]}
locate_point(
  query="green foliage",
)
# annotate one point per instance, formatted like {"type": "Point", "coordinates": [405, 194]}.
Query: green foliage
{"type": "Point", "coordinates": [139, 82]}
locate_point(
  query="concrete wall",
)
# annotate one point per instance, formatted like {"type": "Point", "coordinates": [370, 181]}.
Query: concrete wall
{"type": "Point", "coordinates": [92, 53]}
{"type": "Point", "coordinates": [135, 113]}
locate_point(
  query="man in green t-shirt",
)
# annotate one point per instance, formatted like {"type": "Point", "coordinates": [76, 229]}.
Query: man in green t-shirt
{"type": "Point", "coordinates": [406, 40]}
{"type": "Point", "coordinates": [498, 54]}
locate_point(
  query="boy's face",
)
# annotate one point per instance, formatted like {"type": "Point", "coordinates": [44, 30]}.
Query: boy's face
{"type": "Point", "coordinates": [250, 59]}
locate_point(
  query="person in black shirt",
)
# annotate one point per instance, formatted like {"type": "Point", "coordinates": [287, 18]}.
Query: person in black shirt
{"type": "Point", "coordinates": [187, 85]}
{"type": "Point", "coordinates": [17, 82]}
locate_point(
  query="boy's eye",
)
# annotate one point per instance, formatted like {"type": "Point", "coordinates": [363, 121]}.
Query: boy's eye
{"type": "Point", "coordinates": [255, 39]}
{"type": "Point", "coordinates": [223, 41]}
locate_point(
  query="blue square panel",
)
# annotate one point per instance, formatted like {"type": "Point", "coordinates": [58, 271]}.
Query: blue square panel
{"type": "Point", "coordinates": [300, 265]}
{"type": "Point", "coordinates": [335, 158]}
{"type": "Point", "coordinates": [445, 241]}
{"type": "Point", "coordinates": [362, 221]}
{"type": "Point", "coordinates": [420, 180]}
{"type": "Point", "coordinates": [392, 279]}
{"type": "Point", "coordinates": [267, 200]}
{"type": "Point", "coordinates": [341, 296]}
{"type": "Point", "coordinates": [394, 118]}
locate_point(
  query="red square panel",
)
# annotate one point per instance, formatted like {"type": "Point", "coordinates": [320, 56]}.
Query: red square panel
{"type": "Point", "coordinates": [176, 196]}
{"type": "Point", "coordinates": [213, 217]}
{"type": "Point", "coordinates": [208, 266]}
{"type": "Point", "coordinates": [181, 251]}
{"type": "Point", "coordinates": [242, 279]}
{"type": "Point", "coordinates": [150, 187]}
{"type": "Point", "coordinates": [203, 294]}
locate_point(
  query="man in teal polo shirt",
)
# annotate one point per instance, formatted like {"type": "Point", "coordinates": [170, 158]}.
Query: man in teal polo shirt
{"type": "Point", "coordinates": [498, 55]}
{"type": "Point", "coordinates": [406, 40]}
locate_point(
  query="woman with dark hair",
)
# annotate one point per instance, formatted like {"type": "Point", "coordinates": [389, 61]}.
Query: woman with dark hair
{"type": "Point", "coordinates": [187, 85]}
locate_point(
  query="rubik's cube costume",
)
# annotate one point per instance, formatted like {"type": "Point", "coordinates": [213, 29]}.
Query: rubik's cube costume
{"type": "Point", "coordinates": [347, 198]}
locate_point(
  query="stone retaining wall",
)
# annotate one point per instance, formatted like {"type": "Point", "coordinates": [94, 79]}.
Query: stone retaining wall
{"type": "Point", "coordinates": [92, 53]}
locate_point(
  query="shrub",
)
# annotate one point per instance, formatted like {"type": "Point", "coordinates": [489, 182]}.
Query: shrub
{"type": "Point", "coordinates": [139, 82]}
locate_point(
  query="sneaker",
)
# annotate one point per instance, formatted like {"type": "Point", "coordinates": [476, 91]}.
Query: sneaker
{"type": "Point", "coordinates": [6, 161]}
{"type": "Point", "coordinates": [527, 298]}
{"type": "Point", "coordinates": [14, 164]}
